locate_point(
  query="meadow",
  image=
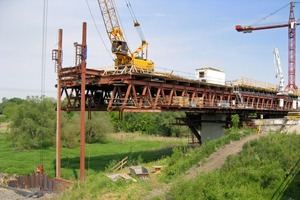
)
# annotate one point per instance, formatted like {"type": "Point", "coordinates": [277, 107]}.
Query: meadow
{"type": "Point", "coordinates": [136, 146]}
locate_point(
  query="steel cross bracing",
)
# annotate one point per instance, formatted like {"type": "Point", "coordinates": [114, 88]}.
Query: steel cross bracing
{"type": "Point", "coordinates": [157, 93]}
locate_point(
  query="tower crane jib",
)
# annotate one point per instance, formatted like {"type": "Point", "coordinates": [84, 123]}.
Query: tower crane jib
{"type": "Point", "coordinates": [291, 25]}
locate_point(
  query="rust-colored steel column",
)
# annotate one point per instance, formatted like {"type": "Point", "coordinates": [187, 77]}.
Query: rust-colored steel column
{"type": "Point", "coordinates": [58, 109]}
{"type": "Point", "coordinates": [82, 102]}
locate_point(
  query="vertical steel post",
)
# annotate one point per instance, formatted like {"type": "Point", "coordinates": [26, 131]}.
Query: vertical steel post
{"type": "Point", "coordinates": [82, 103]}
{"type": "Point", "coordinates": [58, 109]}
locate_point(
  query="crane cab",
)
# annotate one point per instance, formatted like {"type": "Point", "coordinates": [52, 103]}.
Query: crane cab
{"type": "Point", "coordinates": [119, 47]}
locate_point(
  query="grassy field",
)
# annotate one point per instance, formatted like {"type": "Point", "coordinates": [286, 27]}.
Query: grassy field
{"type": "Point", "coordinates": [267, 168]}
{"type": "Point", "coordinates": [98, 156]}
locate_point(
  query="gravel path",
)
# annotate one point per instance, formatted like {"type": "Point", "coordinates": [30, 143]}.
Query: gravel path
{"type": "Point", "coordinates": [6, 194]}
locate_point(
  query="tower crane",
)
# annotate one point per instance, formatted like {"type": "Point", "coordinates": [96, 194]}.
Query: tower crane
{"type": "Point", "coordinates": [292, 23]}
{"type": "Point", "coordinates": [278, 70]}
{"type": "Point", "coordinates": [136, 61]}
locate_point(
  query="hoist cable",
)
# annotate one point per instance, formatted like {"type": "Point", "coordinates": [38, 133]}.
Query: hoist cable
{"type": "Point", "coordinates": [94, 21]}
{"type": "Point", "coordinates": [43, 75]}
{"type": "Point", "coordinates": [264, 18]}
{"type": "Point", "coordinates": [122, 28]}
{"type": "Point", "coordinates": [128, 4]}
{"type": "Point", "coordinates": [135, 21]}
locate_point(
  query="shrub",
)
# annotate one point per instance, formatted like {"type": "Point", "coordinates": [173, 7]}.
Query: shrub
{"type": "Point", "coordinates": [33, 124]}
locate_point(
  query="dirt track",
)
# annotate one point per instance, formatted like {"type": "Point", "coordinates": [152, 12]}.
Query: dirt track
{"type": "Point", "coordinates": [217, 159]}
{"type": "Point", "coordinates": [213, 162]}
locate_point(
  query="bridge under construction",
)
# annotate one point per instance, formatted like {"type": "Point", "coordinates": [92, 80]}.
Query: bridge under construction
{"type": "Point", "coordinates": [128, 89]}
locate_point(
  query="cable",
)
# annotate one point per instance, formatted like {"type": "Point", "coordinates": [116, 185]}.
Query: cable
{"type": "Point", "coordinates": [43, 66]}
{"type": "Point", "coordinates": [122, 28]}
{"type": "Point", "coordinates": [135, 21]}
{"type": "Point", "coordinates": [88, 5]}
{"type": "Point", "coordinates": [44, 40]}
{"type": "Point", "coordinates": [128, 4]}
{"type": "Point", "coordinates": [264, 18]}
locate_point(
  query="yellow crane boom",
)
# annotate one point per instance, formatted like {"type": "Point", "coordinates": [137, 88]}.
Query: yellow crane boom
{"type": "Point", "coordinates": [136, 61]}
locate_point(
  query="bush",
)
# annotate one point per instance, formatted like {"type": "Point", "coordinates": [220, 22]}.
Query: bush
{"type": "Point", "coordinates": [97, 127]}
{"type": "Point", "coordinates": [33, 124]}
{"type": "Point", "coordinates": [149, 123]}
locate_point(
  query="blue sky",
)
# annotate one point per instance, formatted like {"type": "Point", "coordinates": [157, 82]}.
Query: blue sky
{"type": "Point", "coordinates": [182, 36]}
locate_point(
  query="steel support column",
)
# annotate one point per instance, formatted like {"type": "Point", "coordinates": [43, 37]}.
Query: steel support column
{"type": "Point", "coordinates": [82, 102]}
{"type": "Point", "coordinates": [58, 109]}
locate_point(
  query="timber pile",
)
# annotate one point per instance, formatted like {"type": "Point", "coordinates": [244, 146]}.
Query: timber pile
{"type": "Point", "coordinates": [185, 102]}
{"type": "Point", "coordinates": [180, 101]}
{"type": "Point", "coordinates": [198, 101]}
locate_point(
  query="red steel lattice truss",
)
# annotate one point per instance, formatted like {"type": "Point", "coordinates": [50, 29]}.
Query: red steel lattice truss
{"type": "Point", "coordinates": [131, 92]}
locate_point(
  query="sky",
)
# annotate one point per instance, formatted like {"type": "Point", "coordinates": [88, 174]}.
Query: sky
{"type": "Point", "coordinates": [182, 35]}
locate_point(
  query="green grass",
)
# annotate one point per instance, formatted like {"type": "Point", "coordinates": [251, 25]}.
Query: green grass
{"type": "Point", "coordinates": [266, 168]}
{"type": "Point", "coordinates": [263, 170]}
{"type": "Point", "coordinates": [174, 166]}
{"type": "Point", "coordinates": [98, 156]}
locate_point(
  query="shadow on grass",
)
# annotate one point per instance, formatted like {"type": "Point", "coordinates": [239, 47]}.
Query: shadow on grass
{"type": "Point", "coordinates": [99, 163]}
{"type": "Point", "coordinates": [290, 186]}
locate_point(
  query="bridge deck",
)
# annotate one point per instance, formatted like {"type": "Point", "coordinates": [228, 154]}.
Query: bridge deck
{"type": "Point", "coordinates": [156, 92]}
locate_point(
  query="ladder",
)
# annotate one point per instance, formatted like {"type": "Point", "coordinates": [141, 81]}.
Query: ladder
{"type": "Point", "coordinates": [238, 96]}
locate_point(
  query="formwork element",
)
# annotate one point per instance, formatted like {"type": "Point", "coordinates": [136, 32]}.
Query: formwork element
{"type": "Point", "coordinates": [31, 181]}
{"type": "Point", "coordinates": [139, 171]}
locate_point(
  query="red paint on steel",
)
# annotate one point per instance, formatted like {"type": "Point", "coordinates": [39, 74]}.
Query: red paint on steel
{"type": "Point", "coordinates": [82, 102]}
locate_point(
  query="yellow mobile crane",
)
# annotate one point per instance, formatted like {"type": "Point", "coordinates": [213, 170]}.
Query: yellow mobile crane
{"type": "Point", "coordinates": [135, 61]}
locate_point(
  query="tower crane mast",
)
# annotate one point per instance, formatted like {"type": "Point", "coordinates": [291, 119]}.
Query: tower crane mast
{"type": "Point", "coordinates": [135, 61]}
{"type": "Point", "coordinates": [292, 23]}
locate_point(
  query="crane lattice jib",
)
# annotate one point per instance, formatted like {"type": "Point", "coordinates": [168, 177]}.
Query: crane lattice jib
{"type": "Point", "coordinates": [110, 20]}
{"type": "Point", "coordinates": [291, 25]}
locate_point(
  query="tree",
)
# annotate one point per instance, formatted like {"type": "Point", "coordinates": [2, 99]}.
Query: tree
{"type": "Point", "coordinates": [33, 124]}
{"type": "Point", "coordinates": [149, 123]}
{"type": "Point", "coordinates": [235, 119]}
{"type": "Point", "coordinates": [97, 127]}
{"type": "Point", "coordinates": [9, 106]}
{"type": "Point", "coordinates": [70, 129]}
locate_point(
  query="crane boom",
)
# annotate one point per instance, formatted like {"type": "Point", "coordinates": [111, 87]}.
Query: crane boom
{"type": "Point", "coordinates": [110, 19]}
{"type": "Point", "coordinates": [292, 24]}
{"type": "Point", "coordinates": [278, 70]}
{"type": "Point", "coordinates": [134, 61]}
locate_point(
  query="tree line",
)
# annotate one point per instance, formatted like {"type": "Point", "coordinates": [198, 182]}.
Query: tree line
{"type": "Point", "coordinates": [33, 124]}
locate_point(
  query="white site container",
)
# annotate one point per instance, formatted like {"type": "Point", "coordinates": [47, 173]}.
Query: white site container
{"type": "Point", "coordinates": [281, 103]}
{"type": "Point", "coordinates": [210, 75]}
{"type": "Point", "coordinates": [294, 104]}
